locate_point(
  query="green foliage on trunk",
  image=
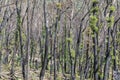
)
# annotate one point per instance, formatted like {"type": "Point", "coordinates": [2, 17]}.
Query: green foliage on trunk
{"type": "Point", "coordinates": [110, 21]}
{"type": "Point", "coordinates": [95, 1]}
{"type": "Point", "coordinates": [112, 8]}
{"type": "Point", "coordinates": [93, 22]}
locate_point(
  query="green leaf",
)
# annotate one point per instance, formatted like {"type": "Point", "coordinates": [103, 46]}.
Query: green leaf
{"type": "Point", "coordinates": [81, 46]}
{"type": "Point", "coordinates": [69, 39]}
{"type": "Point", "coordinates": [113, 57]}
{"type": "Point", "coordinates": [1, 20]}
{"type": "Point", "coordinates": [95, 1]}
{"type": "Point", "coordinates": [73, 53]}
{"type": "Point", "coordinates": [94, 9]}
{"type": "Point", "coordinates": [96, 29]}
{"type": "Point", "coordinates": [59, 5]}
{"type": "Point", "coordinates": [112, 8]}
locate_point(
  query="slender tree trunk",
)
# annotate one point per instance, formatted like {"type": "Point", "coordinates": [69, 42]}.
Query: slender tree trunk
{"type": "Point", "coordinates": [54, 49]}
{"type": "Point", "coordinates": [108, 56]}
{"type": "Point", "coordinates": [65, 49]}
{"type": "Point", "coordinates": [55, 43]}
{"type": "Point", "coordinates": [20, 38]}
{"type": "Point", "coordinates": [95, 44]}
{"type": "Point", "coordinates": [12, 71]}
{"type": "Point", "coordinates": [51, 54]}
{"type": "Point", "coordinates": [114, 46]}
{"type": "Point", "coordinates": [69, 50]}
{"type": "Point", "coordinates": [77, 47]}
{"type": "Point", "coordinates": [0, 63]}
{"type": "Point", "coordinates": [27, 45]}
{"type": "Point", "coordinates": [107, 59]}
{"type": "Point", "coordinates": [44, 63]}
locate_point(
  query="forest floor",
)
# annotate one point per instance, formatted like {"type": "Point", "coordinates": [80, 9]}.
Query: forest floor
{"type": "Point", "coordinates": [33, 74]}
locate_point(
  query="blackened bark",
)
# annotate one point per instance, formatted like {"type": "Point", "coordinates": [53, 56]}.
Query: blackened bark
{"type": "Point", "coordinates": [95, 57]}
{"type": "Point", "coordinates": [65, 49]}
{"type": "Point", "coordinates": [108, 56]}
{"type": "Point", "coordinates": [54, 48]}
{"type": "Point", "coordinates": [114, 46]}
{"type": "Point", "coordinates": [20, 38]}
{"type": "Point", "coordinates": [69, 50]}
{"type": "Point", "coordinates": [12, 71]}
{"type": "Point", "coordinates": [44, 63]}
{"type": "Point", "coordinates": [0, 62]}
{"type": "Point", "coordinates": [77, 46]}
{"type": "Point", "coordinates": [27, 45]}
{"type": "Point", "coordinates": [107, 59]}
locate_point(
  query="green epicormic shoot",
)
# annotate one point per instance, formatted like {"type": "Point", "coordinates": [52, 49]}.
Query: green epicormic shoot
{"type": "Point", "coordinates": [93, 17]}
{"type": "Point", "coordinates": [112, 8]}
{"type": "Point", "coordinates": [93, 21]}
{"type": "Point", "coordinates": [110, 19]}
